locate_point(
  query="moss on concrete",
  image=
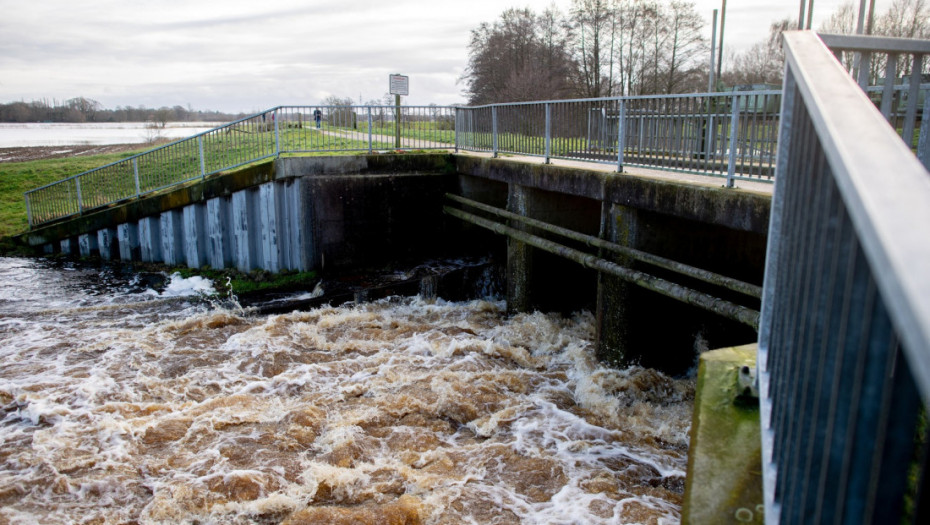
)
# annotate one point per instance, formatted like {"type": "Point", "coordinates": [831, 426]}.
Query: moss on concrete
{"type": "Point", "coordinates": [724, 482]}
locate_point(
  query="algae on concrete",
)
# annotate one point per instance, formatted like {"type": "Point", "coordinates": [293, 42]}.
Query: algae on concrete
{"type": "Point", "coordinates": [724, 481]}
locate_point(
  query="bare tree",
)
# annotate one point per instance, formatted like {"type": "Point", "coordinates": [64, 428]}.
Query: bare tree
{"type": "Point", "coordinates": [519, 57]}
{"type": "Point", "coordinates": [764, 62]}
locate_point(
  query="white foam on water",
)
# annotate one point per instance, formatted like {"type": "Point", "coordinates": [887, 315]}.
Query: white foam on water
{"type": "Point", "coordinates": [449, 412]}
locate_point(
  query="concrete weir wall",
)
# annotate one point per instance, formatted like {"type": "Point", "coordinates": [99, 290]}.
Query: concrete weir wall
{"type": "Point", "coordinates": [703, 225]}
{"type": "Point", "coordinates": [301, 213]}
{"type": "Point", "coordinates": [338, 213]}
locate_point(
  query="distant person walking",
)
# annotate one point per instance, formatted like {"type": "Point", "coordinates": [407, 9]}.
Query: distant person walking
{"type": "Point", "coordinates": [317, 116]}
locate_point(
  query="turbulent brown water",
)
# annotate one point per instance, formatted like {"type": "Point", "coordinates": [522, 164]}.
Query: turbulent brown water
{"type": "Point", "coordinates": [122, 405]}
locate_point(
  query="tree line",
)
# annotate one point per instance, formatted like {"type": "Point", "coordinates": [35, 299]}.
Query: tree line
{"type": "Point", "coordinates": [603, 48]}
{"type": "Point", "coordinates": [81, 109]}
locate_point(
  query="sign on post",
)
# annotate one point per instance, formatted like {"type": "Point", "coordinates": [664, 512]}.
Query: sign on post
{"type": "Point", "coordinates": [400, 85]}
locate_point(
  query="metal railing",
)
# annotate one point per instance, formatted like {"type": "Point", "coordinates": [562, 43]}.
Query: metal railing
{"type": "Point", "coordinates": [725, 134]}
{"type": "Point", "coordinates": [280, 130]}
{"type": "Point", "coordinates": [844, 336]}
{"type": "Point", "coordinates": [732, 135]}
{"type": "Point", "coordinates": [902, 104]}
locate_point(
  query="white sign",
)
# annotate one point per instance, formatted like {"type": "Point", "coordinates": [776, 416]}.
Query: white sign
{"type": "Point", "coordinates": [400, 84]}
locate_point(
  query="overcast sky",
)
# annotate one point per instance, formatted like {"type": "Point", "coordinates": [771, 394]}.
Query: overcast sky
{"type": "Point", "coordinates": [236, 55]}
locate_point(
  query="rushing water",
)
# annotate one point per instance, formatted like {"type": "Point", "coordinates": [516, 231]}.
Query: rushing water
{"type": "Point", "coordinates": [126, 401]}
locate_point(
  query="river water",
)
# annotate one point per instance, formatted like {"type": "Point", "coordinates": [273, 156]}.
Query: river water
{"type": "Point", "coordinates": [137, 399]}
{"type": "Point", "coordinates": [16, 135]}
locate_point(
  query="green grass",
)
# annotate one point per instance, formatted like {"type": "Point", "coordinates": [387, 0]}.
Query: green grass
{"type": "Point", "coordinates": [18, 177]}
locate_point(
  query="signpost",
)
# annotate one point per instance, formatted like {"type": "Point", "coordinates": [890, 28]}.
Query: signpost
{"type": "Point", "coordinates": [400, 85]}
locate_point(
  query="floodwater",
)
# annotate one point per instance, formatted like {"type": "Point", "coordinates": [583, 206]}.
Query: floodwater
{"type": "Point", "coordinates": [13, 135]}
{"type": "Point", "coordinates": [134, 399]}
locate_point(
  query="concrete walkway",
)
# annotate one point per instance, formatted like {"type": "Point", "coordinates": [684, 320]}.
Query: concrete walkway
{"type": "Point", "coordinates": [637, 171]}
{"type": "Point", "coordinates": [759, 186]}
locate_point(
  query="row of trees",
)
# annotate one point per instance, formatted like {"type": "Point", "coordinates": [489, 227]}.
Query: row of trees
{"type": "Point", "coordinates": [638, 47]}
{"type": "Point", "coordinates": [600, 48]}
{"type": "Point", "coordinates": [82, 109]}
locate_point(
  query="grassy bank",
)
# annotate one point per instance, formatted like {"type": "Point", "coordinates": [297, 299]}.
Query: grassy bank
{"type": "Point", "coordinates": [18, 177]}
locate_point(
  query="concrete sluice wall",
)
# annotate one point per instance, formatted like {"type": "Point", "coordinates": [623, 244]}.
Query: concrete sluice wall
{"type": "Point", "coordinates": [334, 214]}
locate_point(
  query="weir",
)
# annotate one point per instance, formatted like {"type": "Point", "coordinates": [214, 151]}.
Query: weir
{"type": "Point", "coordinates": [701, 247]}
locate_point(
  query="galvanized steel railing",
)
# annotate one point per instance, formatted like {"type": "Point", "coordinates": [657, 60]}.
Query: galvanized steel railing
{"type": "Point", "coordinates": [844, 342]}
{"type": "Point", "coordinates": [726, 134]}
{"type": "Point", "coordinates": [285, 129]}
{"type": "Point", "coordinates": [730, 135]}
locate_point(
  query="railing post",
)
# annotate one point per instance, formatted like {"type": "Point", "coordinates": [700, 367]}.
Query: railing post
{"type": "Point", "coordinates": [77, 186]}
{"type": "Point", "coordinates": [203, 164]}
{"type": "Point", "coordinates": [28, 211]}
{"type": "Point", "coordinates": [135, 175]}
{"type": "Point", "coordinates": [548, 132]}
{"type": "Point", "coordinates": [923, 140]}
{"type": "Point", "coordinates": [455, 128]}
{"type": "Point", "coordinates": [734, 130]}
{"type": "Point", "coordinates": [277, 138]}
{"type": "Point", "coordinates": [370, 124]}
{"type": "Point", "coordinates": [494, 131]}
{"type": "Point", "coordinates": [621, 130]}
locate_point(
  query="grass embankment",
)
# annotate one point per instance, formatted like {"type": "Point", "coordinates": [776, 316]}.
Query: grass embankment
{"type": "Point", "coordinates": [18, 177]}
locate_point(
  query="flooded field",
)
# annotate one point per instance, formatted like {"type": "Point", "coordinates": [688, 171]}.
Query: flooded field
{"type": "Point", "coordinates": [126, 400]}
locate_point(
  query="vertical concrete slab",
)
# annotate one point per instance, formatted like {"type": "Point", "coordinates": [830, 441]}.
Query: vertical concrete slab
{"type": "Point", "coordinates": [298, 227]}
{"type": "Point", "coordinates": [271, 202]}
{"type": "Point", "coordinates": [613, 345]}
{"type": "Point", "coordinates": [195, 235]}
{"type": "Point", "coordinates": [172, 238]}
{"type": "Point", "coordinates": [219, 238]}
{"type": "Point", "coordinates": [48, 249]}
{"type": "Point", "coordinates": [519, 257]}
{"type": "Point", "coordinates": [108, 244]}
{"type": "Point", "coordinates": [150, 239]}
{"type": "Point", "coordinates": [245, 230]}
{"type": "Point", "coordinates": [128, 236]}
{"type": "Point", "coordinates": [87, 244]}
{"type": "Point", "coordinates": [68, 246]}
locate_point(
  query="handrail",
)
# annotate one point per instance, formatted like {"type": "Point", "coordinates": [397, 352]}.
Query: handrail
{"type": "Point", "coordinates": [270, 133]}
{"type": "Point", "coordinates": [845, 327]}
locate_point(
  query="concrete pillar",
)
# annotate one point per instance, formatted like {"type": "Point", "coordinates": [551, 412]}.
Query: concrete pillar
{"type": "Point", "coordinates": [519, 257]}
{"type": "Point", "coordinates": [613, 340]}
{"type": "Point", "coordinates": [272, 226]}
{"type": "Point", "coordinates": [108, 244]}
{"type": "Point", "coordinates": [48, 249]}
{"type": "Point", "coordinates": [87, 244]}
{"type": "Point", "coordinates": [219, 238]}
{"type": "Point", "coordinates": [172, 237]}
{"type": "Point", "coordinates": [150, 239]}
{"type": "Point", "coordinates": [195, 236]}
{"type": "Point", "coordinates": [247, 256]}
{"type": "Point", "coordinates": [68, 246]}
{"type": "Point", "coordinates": [128, 236]}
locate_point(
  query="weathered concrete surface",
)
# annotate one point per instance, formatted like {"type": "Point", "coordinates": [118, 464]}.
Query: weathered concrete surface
{"type": "Point", "coordinates": [708, 227]}
{"type": "Point", "coordinates": [734, 209]}
{"type": "Point", "coordinates": [724, 481]}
